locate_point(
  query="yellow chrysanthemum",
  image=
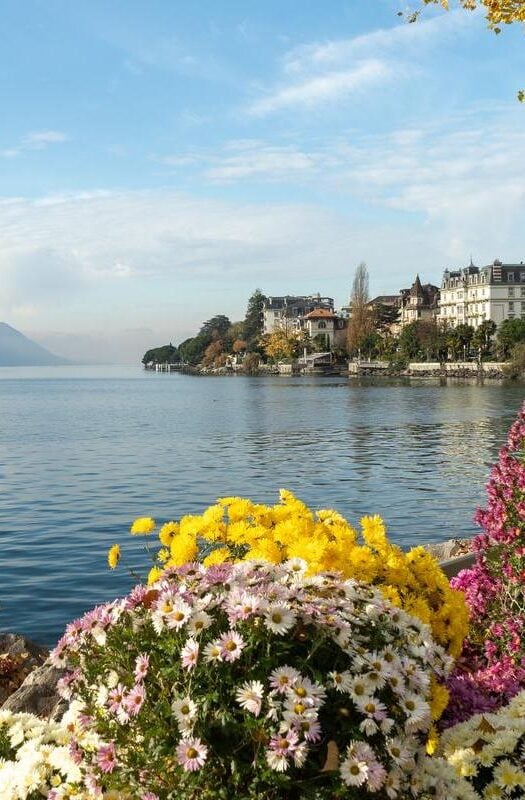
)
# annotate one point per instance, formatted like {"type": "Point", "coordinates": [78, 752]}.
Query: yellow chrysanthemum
{"type": "Point", "coordinates": [183, 548]}
{"type": "Point", "coordinates": [163, 555]}
{"type": "Point", "coordinates": [266, 550]}
{"type": "Point", "coordinates": [154, 574]}
{"type": "Point", "coordinates": [167, 532]}
{"type": "Point", "coordinates": [217, 556]}
{"type": "Point", "coordinates": [439, 698]}
{"type": "Point", "coordinates": [374, 532]}
{"type": "Point", "coordinates": [142, 525]}
{"type": "Point", "coordinates": [113, 556]}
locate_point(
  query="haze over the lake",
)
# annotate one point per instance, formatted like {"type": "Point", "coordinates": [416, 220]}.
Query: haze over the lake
{"type": "Point", "coordinates": [161, 161]}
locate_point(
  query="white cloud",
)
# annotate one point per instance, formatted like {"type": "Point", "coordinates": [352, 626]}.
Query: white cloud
{"type": "Point", "coordinates": [35, 140]}
{"type": "Point", "coordinates": [322, 72]}
{"type": "Point", "coordinates": [399, 41]}
{"type": "Point", "coordinates": [324, 88]}
{"type": "Point", "coordinates": [40, 139]}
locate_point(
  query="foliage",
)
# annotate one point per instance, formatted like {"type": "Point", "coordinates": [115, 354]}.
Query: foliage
{"type": "Point", "coordinates": [255, 680]}
{"type": "Point", "coordinates": [498, 12]}
{"type": "Point", "coordinates": [250, 365]}
{"type": "Point", "coordinates": [510, 333]}
{"type": "Point", "coordinates": [215, 327]}
{"type": "Point", "coordinates": [192, 350]}
{"type": "Point", "coordinates": [238, 528]}
{"type": "Point", "coordinates": [370, 345]}
{"type": "Point", "coordinates": [384, 316]}
{"type": "Point", "coordinates": [36, 760]}
{"type": "Point", "coordinates": [489, 750]}
{"type": "Point", "coordinates": [516, 367]}
{"type": "Point", "coordinates": [482, 336]}
{"type": "Point", "coordinates": [168, 354]}
{"type": "Point", "coordinates": [361, 322]}
{"type": "Point", "coordinates": [492, 667]}
{"type": "Point", "coordinates": [281, 345]}
{"type": "Point", "coordinates": [212, 353]}
{"type": "Point", "coordinates": [253, 321]}
{"type": "Point", "coordinates": [458, 340]}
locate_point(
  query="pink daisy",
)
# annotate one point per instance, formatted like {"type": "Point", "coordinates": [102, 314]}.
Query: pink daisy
{"type": "Point", "coordinates": [231, 645]}
{"type": "Point", "coordinates": [134, 700]}
{"type": "Point", "coordinates": [116, 698]}
{"type": "Point", "coordinates": [107, 758]}
{"type": "Point", "coordinates": [191, 754]}
{"type": "Point", "coordinates": [190, 654]}
{"type": "Point", "coordinates": [141, 667]}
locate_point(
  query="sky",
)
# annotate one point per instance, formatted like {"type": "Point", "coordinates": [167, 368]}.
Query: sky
{"type": "Point", "coordinates": [162, 159]}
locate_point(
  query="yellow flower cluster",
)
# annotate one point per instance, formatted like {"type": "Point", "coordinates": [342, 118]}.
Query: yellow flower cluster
{"type": "Point", "coordinates": [236, 529]}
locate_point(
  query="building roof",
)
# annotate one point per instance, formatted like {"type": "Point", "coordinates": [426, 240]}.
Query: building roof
{"type": "Point", "coordinates": [384, 300]}
{"type": "Point", "coordinates": [320, 313]}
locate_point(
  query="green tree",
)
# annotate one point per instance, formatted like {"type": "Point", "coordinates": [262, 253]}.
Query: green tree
{"type": "Point", "coordinates": [370, 345]}
{"type": "Point", "coordinates": [216, 327]}
{"type": "Point", "coordinates": [409, 346]}
{"type": "Point", "coordinates": [384, 316]}
{"type": "Point", "coordinates": [253, 321]}
{"type": "Point", "coordinates": [511, 332]}
{"type": "Point", "coordinates": [192, 350]}
{"type": "Point", "coordinates": [459, 339]}
{"type": "Point", "coordinates": [167, 354]}
{"type": "Point", "coordinates": [482, 338]}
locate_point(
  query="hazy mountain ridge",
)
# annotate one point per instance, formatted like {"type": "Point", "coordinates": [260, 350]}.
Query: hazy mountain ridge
{"type": "Point", "coordinates": [16, 350]}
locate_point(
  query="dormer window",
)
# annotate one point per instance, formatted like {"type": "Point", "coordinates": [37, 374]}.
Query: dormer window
{"type": "Point", "coordinates": [510, 277]}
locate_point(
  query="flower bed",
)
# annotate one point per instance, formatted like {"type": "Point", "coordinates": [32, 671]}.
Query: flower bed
{"type": "Point", "coordinates": [256, 681]}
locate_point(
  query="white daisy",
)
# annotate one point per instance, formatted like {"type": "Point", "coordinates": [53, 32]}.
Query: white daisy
{"type": "Point", "coordinates": [199, 622]}
{"type": "Point", "coordinates": [250, 696]}
{"type": "Point", "coordinates": [279, 618]}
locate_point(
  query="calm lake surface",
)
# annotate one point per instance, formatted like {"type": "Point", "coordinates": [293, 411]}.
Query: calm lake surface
{"type": "Point", "coordinates": [83, 451]}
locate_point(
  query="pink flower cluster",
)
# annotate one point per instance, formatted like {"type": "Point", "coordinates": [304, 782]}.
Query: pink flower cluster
{"type": "Point", "coordinates": [492, 667]}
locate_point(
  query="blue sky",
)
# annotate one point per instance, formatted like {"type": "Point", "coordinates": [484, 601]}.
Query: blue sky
{"type": "Point", "coordinates": [160, 159]}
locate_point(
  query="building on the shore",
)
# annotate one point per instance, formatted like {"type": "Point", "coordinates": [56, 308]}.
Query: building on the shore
{"type": "Point", "coordinates": [474, 294]}
{"type": "Point", "coordinates": [420, 302]}
{"type": "Point", "coordinates": [285, 313]}
{"type": "Point", "coordinates": [325, 327]}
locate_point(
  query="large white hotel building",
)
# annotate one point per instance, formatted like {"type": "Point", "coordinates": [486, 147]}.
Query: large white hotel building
{"type": "Point", "coordinates": [474, 294]}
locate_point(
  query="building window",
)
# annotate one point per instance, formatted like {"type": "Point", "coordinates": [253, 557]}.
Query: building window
{"type": "Point", "coordinates": [511, 315]}
{"type": "Point", "coordinates": [522, 277]}
{"type": "Point", "coordinates": [511, 306]}
{"type": "Point", "coordinates": [511, 292]}
{"type": "Point", "coordinates": [523, 291]}
{"type": "Point", "coordinates": [321, 324]}
{"type": "Point", "coordinates": [510, 277]}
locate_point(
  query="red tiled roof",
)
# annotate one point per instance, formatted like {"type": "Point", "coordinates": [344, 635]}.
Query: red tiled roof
{"type": "Point", "coordinates": [320, 313]}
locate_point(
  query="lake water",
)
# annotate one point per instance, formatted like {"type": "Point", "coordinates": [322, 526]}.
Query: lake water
{"type": "Point", "coordinates": [83, 451]}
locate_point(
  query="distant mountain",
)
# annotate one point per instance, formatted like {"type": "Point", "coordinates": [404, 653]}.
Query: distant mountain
{"type": "Point", "coordinates": [16, 350]}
